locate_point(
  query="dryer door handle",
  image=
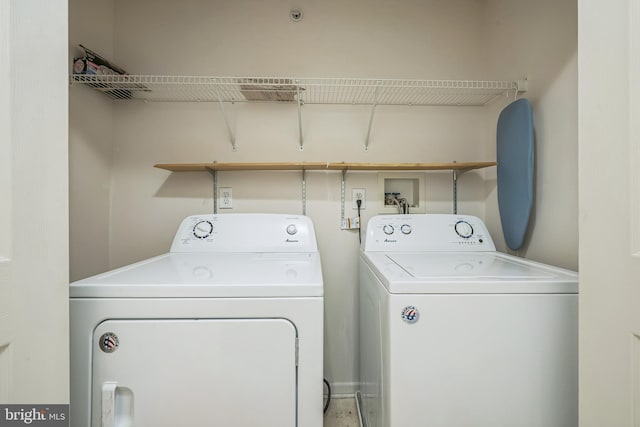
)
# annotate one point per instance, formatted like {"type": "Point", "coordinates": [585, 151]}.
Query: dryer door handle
{"type": "Point", "coordinates": [117, 405]}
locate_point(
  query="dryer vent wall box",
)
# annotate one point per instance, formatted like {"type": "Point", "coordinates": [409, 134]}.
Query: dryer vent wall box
{"type": "Point", "coordinates": [231, 318]}
{"type": "Point", "coordinates": [402, 190]}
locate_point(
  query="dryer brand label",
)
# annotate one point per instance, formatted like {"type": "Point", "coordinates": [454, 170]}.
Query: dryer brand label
{"type": "Point", "coordinates": [410, 314]}
{"type": "Point", "coordinates": [109, 342]}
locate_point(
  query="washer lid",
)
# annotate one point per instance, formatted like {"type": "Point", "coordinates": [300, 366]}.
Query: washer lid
{"type": "Point", "coordinates": [202, 275]}
{"type": "Point", "coordinates": [488, 272]}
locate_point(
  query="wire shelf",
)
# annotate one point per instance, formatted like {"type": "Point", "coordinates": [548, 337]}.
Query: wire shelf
{"type": "Point", "coordinates": [307, 90]}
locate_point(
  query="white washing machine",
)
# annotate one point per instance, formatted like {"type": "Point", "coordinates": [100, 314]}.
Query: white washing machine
{"type": "Point", "coordinates": [455, 334]}
{"type": "Point", "coordinates": [226, 329]}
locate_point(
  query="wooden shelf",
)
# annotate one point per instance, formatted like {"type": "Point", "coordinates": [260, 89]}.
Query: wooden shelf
{"type": "Point", "coordinates": [213, 168]}
{"type": "Point", "coordinates": [339, 166]}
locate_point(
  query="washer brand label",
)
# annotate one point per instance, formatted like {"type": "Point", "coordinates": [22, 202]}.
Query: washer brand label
{"type": "Point", "coordinates": [109, 342]}
{"type": "Point", "coordinates": [410, 314]}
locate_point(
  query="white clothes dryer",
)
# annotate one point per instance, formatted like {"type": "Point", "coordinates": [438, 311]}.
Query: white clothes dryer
{"type": "Point", "coordinates": [455, 334]}
{"type": "Point", "coordinates": [225, 329]}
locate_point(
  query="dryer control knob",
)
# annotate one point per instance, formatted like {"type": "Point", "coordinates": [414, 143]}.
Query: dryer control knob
{"type": "Point", "coordinates": [388, 229]}
{"type": "Point", "coordinates": [464, 229]}
{"type": "Point", "coordinates": [292, 229]}
{"type": "Point", "coordinates": [203, 229]}
{"type": "Point", "coordinates": [406, 229]}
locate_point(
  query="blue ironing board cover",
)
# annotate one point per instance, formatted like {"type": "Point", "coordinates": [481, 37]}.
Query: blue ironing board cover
{"type": "Point", "coordinates": [515, 170]}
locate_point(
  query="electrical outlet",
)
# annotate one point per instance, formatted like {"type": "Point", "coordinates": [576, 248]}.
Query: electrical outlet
{"type": "Point", "coordinates": [226, 198]}
{"type": "Point", "coordinates": [358, 193]}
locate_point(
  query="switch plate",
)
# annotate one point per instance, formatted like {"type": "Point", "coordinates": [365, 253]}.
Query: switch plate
{"type": "Point", "coordinates": [359, 193]}
{"type": "Point", "coordinates": [226, 198]}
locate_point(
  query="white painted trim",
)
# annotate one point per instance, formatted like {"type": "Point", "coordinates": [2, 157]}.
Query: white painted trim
{"type": "Point", "coordinates": [5, 129]}
{"type": "Point", "coordinates": [5, 372]}
{"type": "Point", "coordinates": [634, 124]}
{"type": "Point", "coordinates": [39, 160]}
{"type": "Point", "coordinates": [6, 118]}
{"type": "Point", "coordinates": [635, 372]}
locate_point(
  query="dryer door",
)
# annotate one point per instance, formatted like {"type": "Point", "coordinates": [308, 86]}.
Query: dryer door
{"type": "Point", "coordinates": [194, 372]}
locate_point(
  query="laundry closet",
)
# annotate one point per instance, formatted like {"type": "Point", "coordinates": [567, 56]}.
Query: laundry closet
{"type": "Point", "coordinates": [123, 210]}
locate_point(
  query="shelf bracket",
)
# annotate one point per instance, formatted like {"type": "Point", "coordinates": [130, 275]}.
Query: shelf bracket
{"type": "Point", "coordinates": [455, 192]}
{"type": "Point", "coordinates": [304, 191]}
{"type": "Point", "coordinates": [214, 175]}
{"type": "Point", "coordinates": [342, 197]}
{"type": "Point", "coordinates": [456, 175]}
{"type": "Point", "coordinates": [373, 110]}
{"type": "Point", "coordinates": [224, 116]}
{"type": "Point", "coordinates": [301, 147]}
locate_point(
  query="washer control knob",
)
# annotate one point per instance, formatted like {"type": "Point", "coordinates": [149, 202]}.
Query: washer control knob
{"type": "Point", "coordinates": [203, 229]}
{"type": "Point", "coordinates": [388, 229]}
{"type": "Point", "coordinates": [292, 229]}
{"type": "Point", "coordinates": [406, 229]}
{"type": "Point", "coordinates": [464, 229]}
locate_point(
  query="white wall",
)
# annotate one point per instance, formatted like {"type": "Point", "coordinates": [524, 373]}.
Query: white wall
{"type": "Point", "coordinates": [382, 39]}
{"type": "Point", "coordinates": [538, 40]}
{"type": "Point", "coordinates": [90, 144]}
{"type": "Point", "coordinates": [376, 38]}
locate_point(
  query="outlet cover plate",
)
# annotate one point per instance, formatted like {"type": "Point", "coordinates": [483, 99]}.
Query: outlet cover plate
{"type": "Point", "coordinates": [360, 193]}
{"type": "Point", "coordinates": [226, 198]}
